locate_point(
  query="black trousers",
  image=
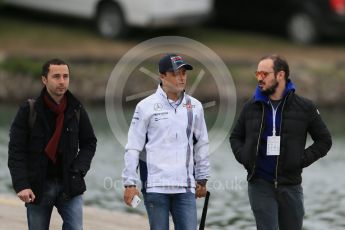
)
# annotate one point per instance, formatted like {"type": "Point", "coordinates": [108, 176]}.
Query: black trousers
{"type": "Point", "coordinates": [276, 208]}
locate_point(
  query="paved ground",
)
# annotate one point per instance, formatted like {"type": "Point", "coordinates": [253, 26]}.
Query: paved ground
{"type": "Point", "coordinates": [13, 216]}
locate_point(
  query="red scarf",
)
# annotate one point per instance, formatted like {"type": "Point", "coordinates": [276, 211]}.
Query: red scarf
{"type": "Point", "coordinates": [58, 109]}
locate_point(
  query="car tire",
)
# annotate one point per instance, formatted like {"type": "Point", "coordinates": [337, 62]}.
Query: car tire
{"type": "Point", "coordinates": [302, 29]}
{"type": "Point", "coordinates": [110, 21]}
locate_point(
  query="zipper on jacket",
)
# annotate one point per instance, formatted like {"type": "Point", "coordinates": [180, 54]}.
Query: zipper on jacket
{"type": "Point", "coordinates": [280, 131]}
{"type": "Point", "coordinates": [257, 145]}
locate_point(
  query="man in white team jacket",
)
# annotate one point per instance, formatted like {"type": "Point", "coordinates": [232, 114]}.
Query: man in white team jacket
{"type": "Point", "coordinates": [168, 140]}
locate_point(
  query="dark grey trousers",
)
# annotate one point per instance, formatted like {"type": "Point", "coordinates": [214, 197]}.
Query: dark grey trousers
{"type": "Point", "coordinates": [276, 208]}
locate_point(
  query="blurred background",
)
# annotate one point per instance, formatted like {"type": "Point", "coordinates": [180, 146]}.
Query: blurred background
{"type": "Point", "coordinates": [93, 35]}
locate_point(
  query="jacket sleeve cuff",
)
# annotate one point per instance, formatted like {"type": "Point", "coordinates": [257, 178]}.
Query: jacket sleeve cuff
{"type": "Point", "coordinates": [202, 182]}
{"type": "Point", "coordinates": [21, 186]}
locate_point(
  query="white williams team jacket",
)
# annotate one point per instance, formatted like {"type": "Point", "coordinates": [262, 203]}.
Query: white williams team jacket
{"type": "Point", "coordinates": [167, 134]}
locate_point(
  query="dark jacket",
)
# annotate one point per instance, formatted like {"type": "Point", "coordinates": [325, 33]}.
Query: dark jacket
{"type": "Point", "coordinates": [299, 117]}
{"type": "Point", "coordinates": [27, 161]}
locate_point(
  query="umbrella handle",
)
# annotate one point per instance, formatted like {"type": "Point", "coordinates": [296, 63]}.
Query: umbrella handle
{"type": "Point", "coordinates": [204, 212]}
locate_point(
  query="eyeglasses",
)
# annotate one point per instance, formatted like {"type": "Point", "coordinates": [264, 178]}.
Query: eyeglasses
{"type": "Point", "coordinates": [262, 74]}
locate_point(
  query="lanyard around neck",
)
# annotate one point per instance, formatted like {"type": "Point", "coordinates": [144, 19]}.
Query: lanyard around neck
{"type": "Point", "coordinates": [274, 114]}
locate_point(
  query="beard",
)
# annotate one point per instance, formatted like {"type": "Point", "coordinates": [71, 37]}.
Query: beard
{"type": "Point", "coordinates": [270, 90]}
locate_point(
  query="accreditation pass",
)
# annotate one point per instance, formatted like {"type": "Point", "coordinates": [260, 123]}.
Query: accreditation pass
{"type": "Point", "coordinates": [273, 145]}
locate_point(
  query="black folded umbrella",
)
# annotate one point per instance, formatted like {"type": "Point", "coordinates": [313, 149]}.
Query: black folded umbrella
{"type": "Point", "coordinates": [204, 212]}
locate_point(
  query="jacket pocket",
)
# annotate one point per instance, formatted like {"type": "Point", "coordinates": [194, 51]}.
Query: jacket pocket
{"type": "Point", "coordinates": [244, 157]}
{"type": "Point", "coordinates": [292, 157]}
{"type": "Point", "coordinates": [77, 184]}
{"type": "Point", "coordinates": [73, 138]}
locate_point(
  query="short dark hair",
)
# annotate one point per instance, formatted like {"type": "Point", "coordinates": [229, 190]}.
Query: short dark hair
{"type": "Point", "coordinates": [54, 61]}
{"type": "Point", "coordinates": [279, 64]}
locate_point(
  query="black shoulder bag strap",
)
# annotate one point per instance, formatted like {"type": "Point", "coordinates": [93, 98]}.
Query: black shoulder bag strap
{"type": "Point", "coordinates": [32, 113]}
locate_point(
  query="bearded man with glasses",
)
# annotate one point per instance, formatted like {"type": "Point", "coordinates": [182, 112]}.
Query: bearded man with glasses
{"type": "Point", "coordinates": [269, 140]}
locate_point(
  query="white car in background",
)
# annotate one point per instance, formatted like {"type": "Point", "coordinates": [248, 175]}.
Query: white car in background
{"type": "Point", "coordinates": [114, 17]}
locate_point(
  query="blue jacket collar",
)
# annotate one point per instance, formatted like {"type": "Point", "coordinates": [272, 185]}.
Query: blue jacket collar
{"type": "Point", "coordinates": [259, 96]}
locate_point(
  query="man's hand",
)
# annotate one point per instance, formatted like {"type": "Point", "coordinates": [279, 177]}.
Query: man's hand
{"type": "Point", "coordinates": [129, 193]}
{"type": "Point", "coordinates": [26, 195]}
{"type": "Point", "coordinates": [200, 190]}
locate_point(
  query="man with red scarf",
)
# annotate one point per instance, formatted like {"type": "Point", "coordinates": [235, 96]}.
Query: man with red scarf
{"type": "Point", "coordinates": [50, 154]}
